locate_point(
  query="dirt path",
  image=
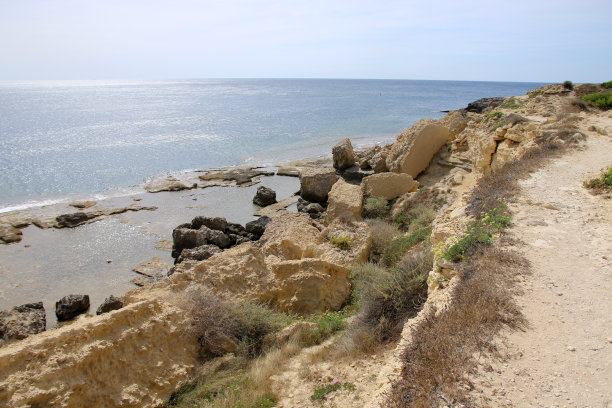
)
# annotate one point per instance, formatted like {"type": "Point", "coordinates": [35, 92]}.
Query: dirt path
{"type": "Point", "coordinates": [565, 358]}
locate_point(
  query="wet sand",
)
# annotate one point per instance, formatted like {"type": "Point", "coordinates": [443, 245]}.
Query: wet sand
{"type": "Point", "coordinates": [51, 263]}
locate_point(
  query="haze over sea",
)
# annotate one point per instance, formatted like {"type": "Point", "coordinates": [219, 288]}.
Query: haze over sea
{"type": "Point", "coordinates": [65, 139]}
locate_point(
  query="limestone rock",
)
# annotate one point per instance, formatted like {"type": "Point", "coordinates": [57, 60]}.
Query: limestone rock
{"type": "Point", "coordinates": [265, 196]}
{"type": "Point", "coordinates": [455, 122]}
{"type": "Point", "coordinates": [345, 202]}
{"type": "Point", "coordinates": [416, 146]}
{"type": "Point", "coordinates": [155, 268]}
{"type": "Point", "coordinates": [378, 162]}
{"type": "Point", "coordinates": [388, 185]}
{"type": "Point", "coordinates": [343, 154]}
{"type": "Point", "coordinates": [10, 234]}
{"type": "Point", "coordinates": [110, 303]}
{"type": "Point", "coordinates": [22, 321]}
{"type": "Point", "coordinates": [239, 177]}
{"type": "Point", "coordinates": [167, 184]}
{"type": "Point", "coordinates": [316, 183]}
{"type": "Point", "coordinates": [70, 306]}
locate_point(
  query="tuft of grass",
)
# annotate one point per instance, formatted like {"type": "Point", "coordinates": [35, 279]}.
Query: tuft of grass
{"type": "Point", "coordinates": [607, 85]}
{"type": "Point", "coordinates": [320, 394]}
{"type": "Point", "coordinates": [511, 103]}
{"type": "Point", "coordinates": [328, 323]}
{"type": "Point", "coordinates": [498, 124]}
{"type": "Point", "coordinates": [343, 243]}
{"type": "Point", "coordinates": [602, 100]}
{"type": "Point", "coordinates": [375, 207]}
{"type": "Point", "coordinates": [417, 217]}
{"type": "Point", "coordinates": [601, 184]}
{"type": "Point", "coordinates": [494, 115]}
{"type": "Point", "coordinates": [400, 245]}
{"type": "Point", "coordinates": [383, 233]}
{"type": "Point", "coordinates": [580, 104]}
{"type": "Point", "coordinates": [568, 85]}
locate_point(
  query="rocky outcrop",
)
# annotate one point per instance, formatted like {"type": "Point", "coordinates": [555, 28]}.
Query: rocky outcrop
{"type": "Point", "coordinates": [316, 183]}
{"type": "Point", "coordinates": [167, 184]}
{"type": "Point", "coordinates": [133, 357]}
{"type": "Point", "coordinates": [237, 177]}
{"type": "Point", "coordinates": [343, 155]}
{"type": "Point", "coordinates": [345, 202]}
{"type": "Point", "coordinates": [22, 321]}
{"type": "Point", "coordinates": [388, 185]}
{"type": "Point", "coordinates": [201, 253]}
{"type": "Point", "coordinates": [10, 234]}
{"type": "Point", "coordinates": [82, 204]}
{"type": "Point", "coordinates": [265, 196]}
{"type": "Point", "coordinates": [481, 104]}
{"type": "Point", "coordinates": [416, 146]}
{"type": "Point", "coordinates": [71, 306]}
{"type": "Point", "coordinates": [150, 271]}
{"type": "Point", "coordinates": [258, 226]}
{"type": "Point", "coordinates": [110, 303]}
{"type": "Point", "coordinates": [76, 219]}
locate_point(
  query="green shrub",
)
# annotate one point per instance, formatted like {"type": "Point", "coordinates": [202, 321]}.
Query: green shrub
{"type": "Point", "coordinates": [376, 207]}
{"type": "Point", "coordinates": [511, 103]}
{"type": "Point", "coordinates": [568, 85]}
{"type": "Point", "coordinates": [494, 115]}
{"type": "Point", "coordinates": [498, 124]}
{"type": "Point", "coordinates": [400, 245]}
{"type": "Point", "coordinates": [327, 323]}
{"type": "Point", "coordinates": [320, 394]}
{"type": "Point", "coordinates": [417, 217]}
{"type": "Point", "coordinates": [580, 104]}
{"type": "Point", "coordinates": [607, 85]}
{"type": "Point", "coordinates": [343, 243]}
{"type": "Point", "coordinates": [603, 183]}
{"type": "Point", "coordinates": [601, 100]}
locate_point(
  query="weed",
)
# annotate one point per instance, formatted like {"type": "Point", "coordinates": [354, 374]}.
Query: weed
{"type": "Point", "coordinates": [400, 245]}
{"type": "Point", "coordinates": [343, 243]}
{"type": "Point", "coordinates": [568, 85]}
{"type": "Point", "coordinates": [601, 184]}
{"type": "Point", "coordinates": [511, 103]}
{"type": "Point", "coordinates": [602, 100]}
{"type": "Point", "coordinates": [375, 207]}
{"type": "Point", "coordinates": [320, 394]}
{"type": "Point", "coordinates": [607, 85]}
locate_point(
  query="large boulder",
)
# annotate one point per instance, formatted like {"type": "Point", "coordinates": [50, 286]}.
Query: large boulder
{"type": "Point", "coordinates": [316, 183]}
{"type": "Point", "coordinates": [217, 238]}
{"type": "Point", "coordinates": [22, 321]}
{"type": "Point", "coordinates": [416, 146]}
{"type": "Point", "coordinates": [110, 303]}
{"type": "Point", "coordinates": [70, 306]}
{"type": "Point", "coordinates": [214, 223]}
{"type": "Point", "coordinates": [378, 162]}
{"type": "Point", "coordinates": [345, 202]}
{"type": "Point", "coordinates": [200, 253]}
{"type": "Point", "coordinates": [187, 238]}
{"type": "Point", "coordinates": [9, 234]}
{"type": "Point", "coordinates": [258, 226]}
{"type": "Point", "coordinates": [343, 154]}
{"type": "Point", "coordinates": [388, 185]}
{"type": "Point", "coordinates": [265, 196]}
{"type": "Point", "coordinates": [455, 122]}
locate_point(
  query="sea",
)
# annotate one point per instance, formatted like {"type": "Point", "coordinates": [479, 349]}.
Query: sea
{"type": "Point", "coordinates": [65, 139]}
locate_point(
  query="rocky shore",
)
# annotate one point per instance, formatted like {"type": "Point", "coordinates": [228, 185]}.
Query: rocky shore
{"type": "Point", "coordinates": [294, 262]}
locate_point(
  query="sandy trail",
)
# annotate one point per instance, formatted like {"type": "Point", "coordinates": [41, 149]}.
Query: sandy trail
{"type": "Point", "coordinates": [564, 359]}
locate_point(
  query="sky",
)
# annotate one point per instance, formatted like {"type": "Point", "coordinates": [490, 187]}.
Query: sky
{"type": "Point", "coordinates": [532, 41]}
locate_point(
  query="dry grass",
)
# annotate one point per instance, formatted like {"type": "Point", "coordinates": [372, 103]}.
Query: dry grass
{"type": "Point", "coordinates": [443, 354]}
{"type": "Point", "coordinates": [383, 233]}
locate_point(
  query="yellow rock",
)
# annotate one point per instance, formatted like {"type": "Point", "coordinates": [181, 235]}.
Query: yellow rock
{"type": "Point", "coordinates": [388, 185]}
{"type": "Point", "coordinates": [345, 202]}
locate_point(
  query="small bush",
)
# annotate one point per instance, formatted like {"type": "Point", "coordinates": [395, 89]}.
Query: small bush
{"type": "Point", "coordinates": [376, 207]}
{"type": "Point", "coordinates": [601, 100]}
{"type": "Point", "coordinates": [382, 234]}
{"type": "Point", "coordinates": [568, 85]}
{"type": "Point", "coordinates": [343, 243]}
{"type": "Point", "coordinates": [603, 183]}
{"type": "Point", "coordinates": [494, 115]}
{"type": "Point", "coordinates": [400, 245]}
{"type": "Point", "coordinates": [607, 85]}
{"type": "Point", "coordinates": [417, 217]}
{"type": "Point", "coordinates": [580, 104]}
{"type": "Point", "coordinates": [511, 103]}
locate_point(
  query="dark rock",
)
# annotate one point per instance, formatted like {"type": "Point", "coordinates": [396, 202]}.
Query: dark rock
{"type": "Point", "coordinates": [242, 240]}
{"type": "Point", "coordinates": [217, 238]}
{"type": "Point", "coordinates": [314, 208]}
{"type": "Point", "coordinates": [71, 220]}
{"type": "Point", "coordinates": [354, 174]}
{"type": "Point", "coordinates": [22, 321]}
{"type": "Point", "coordinates": [258, 226]}
{"type": "Point", "coordinates": [302, 204]}
{"type": "Point", "coordinates": [235, 229]}
{"type": "Point", "coordinates": [109, 304]}
{"type": "Point", "coordinates": [188, 238]}
{"type": "Point", "coordinates": [264, 197]}
{"type": "Point", "coordinates": [198, 254]}
{"type": "Point", "coordinates": [214, 223]}
{"type": "Point", "coordinates": [484, 103]}
{"type": "Point", "coordinates": [70, 306]}
{"type": "Point", "coordinates": [344, 156]}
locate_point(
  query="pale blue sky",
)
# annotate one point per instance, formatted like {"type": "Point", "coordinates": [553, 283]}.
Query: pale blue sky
{"type": "Point", "coordinates": [548, 41]}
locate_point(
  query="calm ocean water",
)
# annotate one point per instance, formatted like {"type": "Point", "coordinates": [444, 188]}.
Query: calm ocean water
{"type": "Point", "coordinates": [59, 139]}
